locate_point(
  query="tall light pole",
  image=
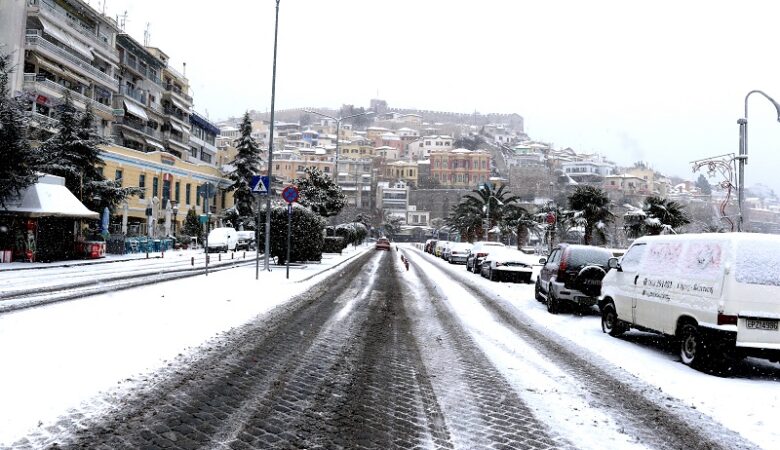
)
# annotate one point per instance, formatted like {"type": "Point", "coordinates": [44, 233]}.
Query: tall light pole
{"type": "Point", "coordinates": [338, 130]}
{"type": "Point", "coordinates": [487, 208]}
{"type": "Point", "coordinates": [743, 150]}
{"type": "Point", "coordinates": [270, 154]}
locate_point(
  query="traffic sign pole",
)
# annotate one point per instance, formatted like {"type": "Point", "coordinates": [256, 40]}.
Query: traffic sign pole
{"type": "Point", "coordinates": [290, 194]}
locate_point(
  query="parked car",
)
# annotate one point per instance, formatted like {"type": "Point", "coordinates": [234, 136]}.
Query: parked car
{"type": "Point", "coordinates": [508, 264]}
{"type": "Point", "coordinates": [382, 244]}
{"type": "Point", "coordinates": [478, 252]}
{"type": "Point", "coordinates": [445, 254]}
{"type": "Point", "coordinates": [246, 240]}
{"type": "Point", "coordinates": [572, 274]}
{"type": "Point", "coordinates": [429, 244]}
{"type": "Point", "coordinates": [458, 252]}
{"type": "Point", "coordinates": [439, 248]}
{"type": "Point", "coordinates": [222, 239]}
{"type": "Point", "coordinates": [716, 293]}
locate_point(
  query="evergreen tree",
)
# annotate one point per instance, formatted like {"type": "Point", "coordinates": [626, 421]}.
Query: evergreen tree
{"type": "Point", "coordinates": [192, 225]}
{"type": "Point", "coordinates": [320, 193]}
{"type": "Point", "coordinates": [245, 166]}
{"type": "Point", "coordinates": [74, 153]}
{"type": "Point", "coordinates": [17, 170]}
{"type": "Point", "coordinates": [703, 185]}
{"type": "Point", "coordinates": [591, 207]}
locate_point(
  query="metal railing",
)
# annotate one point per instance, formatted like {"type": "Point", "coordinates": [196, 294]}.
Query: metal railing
{"type": "Point", "coordinates": [59, 16]}
{"type": "Point", "coordinates": [140, 127]}
{"type": "Point", "coordinates": [135, 94]}
{"type": "Point", "coordinates": [174, 137]}
{"type": "Point", "coordinates": [145, 71]}
{"type": "Point", "coordinates": [34, 42]}
{"type": "Point", "coordinates": [43, 121]}
{"type": "Point", "coordinates": [177, 90]}
{"type": "Point", "coordinates": [32, 81]}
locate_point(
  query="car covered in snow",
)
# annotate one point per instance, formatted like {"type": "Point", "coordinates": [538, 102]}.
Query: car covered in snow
{"type": "Point", "coordinates": [478, 252]}
{"type": "Point", "coordinates": [508, 264]}
{"type": "Point", "coordinates": [458, 252]}
{"type": "Point", "coordinates": [246, 240]}
{"type": "Point", "coordinates": [716, 293]}
{"type": "Point", "coordinates": [572, 276]}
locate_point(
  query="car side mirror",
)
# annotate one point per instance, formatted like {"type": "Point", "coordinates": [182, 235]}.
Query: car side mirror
{"type": "Point", "coordinates": [542, 260]}
{"type": "Point", "coordinates": [613, 263]}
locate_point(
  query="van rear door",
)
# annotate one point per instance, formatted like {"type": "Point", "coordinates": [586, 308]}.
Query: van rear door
{"type": "Point", "coordinates": [625, 282]}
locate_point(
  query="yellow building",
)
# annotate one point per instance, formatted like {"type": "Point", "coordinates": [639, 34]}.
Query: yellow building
{"type": "Point", "coordinates": [290, 164]}
{"type": "Point", "coordinates": [166, 177]}
{"type": "Point", "coordinates": [402, 170]}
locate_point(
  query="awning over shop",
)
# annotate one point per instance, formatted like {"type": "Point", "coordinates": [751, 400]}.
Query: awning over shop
{"type": "Point", "coordinates": [176, 127]}
{"type": "Point", "coordinates": [135, 110]}
{"type": "Point", "coordinates": [155, 144]}
{"type": "Point", "coordinates": [48, 198]}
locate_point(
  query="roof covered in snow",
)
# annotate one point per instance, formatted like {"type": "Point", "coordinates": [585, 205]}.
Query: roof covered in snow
{"type": "Point", "coordinates": [48, 198]}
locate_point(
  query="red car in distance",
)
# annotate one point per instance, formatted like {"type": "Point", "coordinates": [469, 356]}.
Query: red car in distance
{"type": "Point", "coordinates": [383, 244]}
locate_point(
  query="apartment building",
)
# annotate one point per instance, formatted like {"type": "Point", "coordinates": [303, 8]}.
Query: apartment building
{"type": "Point", "coordinates": [60, 46]}
{"type": "Point", "coordinates": [289, 164]}
{"type": "Point", "coordinates": [421, 149]}
{"type": "Point", "coordinates": [405, 171]}
{"type": "Point", "coordinates": [355, 178]}
{"type": "Point", "coordinates": [460, 168]}
{"type": "Point", "coordinates": [143, 105]}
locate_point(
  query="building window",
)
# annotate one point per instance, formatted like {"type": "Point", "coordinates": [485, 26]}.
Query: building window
{"type": "Point", "coordinates": [187, 191]}
{"type": "Point", "coordinates": [194, 152]}
{"type": "Point", "coordinates": [166, 191]}
{"type": "Point", "coordinates": [197, 196]}
{"type": "Point", "coordinates": [224, 199]}
{"type": "Point", "coordinates": [142, 185]}
{"type": "Point", "coordinates": [155, 186]}
{"type": "Point", "coordinates": [176, 192]}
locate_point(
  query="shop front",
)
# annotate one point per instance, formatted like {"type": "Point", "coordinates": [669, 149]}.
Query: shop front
{"type": "Point", "coordinates": [43, 224]}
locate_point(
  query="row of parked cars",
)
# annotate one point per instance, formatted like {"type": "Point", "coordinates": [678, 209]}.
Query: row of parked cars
{"type": "Point", "coordinates": [493, 260]}
{"type": "Point", "coordinates": [716, 295]}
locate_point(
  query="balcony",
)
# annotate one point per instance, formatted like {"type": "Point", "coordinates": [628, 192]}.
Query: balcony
{"type": "Point", "coordinates": [31, 82]}
{"type": "Point", "coordinates": [170, 87]}
{"type": "Point", "coordinates": [44, 122]}
{"type": "Point", "coordinates": [149, 131]}
{"type": "Point", "coordinates": [136, 94]}
{"type": "Point", "coordinates": [140, 70]}
{"type": "Point", "coordinates": [38, 43]}
{"type": "Point", "coordinates": [61, 18]}
{"type": "Point", "coordinates": [184, 118]}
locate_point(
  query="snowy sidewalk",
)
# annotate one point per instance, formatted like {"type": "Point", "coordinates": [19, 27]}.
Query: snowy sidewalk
{"type": "Point", "coordinates": [61, 356]}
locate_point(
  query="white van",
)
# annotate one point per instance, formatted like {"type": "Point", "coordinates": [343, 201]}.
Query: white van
{"type": "Point", "coordinates": [718, 293]}
{"type": "Point", "coordinates": [222, 239]}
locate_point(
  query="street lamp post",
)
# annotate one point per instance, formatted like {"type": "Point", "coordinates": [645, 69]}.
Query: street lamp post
{"type": "Point", "coordinates": [175, 212]}
{"type": "Point", "coordinates": [270, 156]}
{"type": "Point", "coordinates": [338, 131]}
{"type": "Point", "coordinates": [743, 152]}
{"type": "Point", "coordinates": [487, 208]}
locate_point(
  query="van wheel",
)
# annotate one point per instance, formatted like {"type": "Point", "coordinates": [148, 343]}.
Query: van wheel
{"type": "Point", "coordinates": [609, 321]}
{"type": "Point", "coordinates": [692, 347]}
{"type": "Point", "coordinates": [553, 305]}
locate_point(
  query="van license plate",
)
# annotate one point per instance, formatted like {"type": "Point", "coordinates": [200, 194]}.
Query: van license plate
{"type": "Point", "coordinates": [758, 324]}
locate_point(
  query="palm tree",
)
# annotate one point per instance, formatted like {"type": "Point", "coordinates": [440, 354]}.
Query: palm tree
{"type": "Point", "coordinates": [490, 200]}
{"type": "Point", "coordinates": [519, 220]}
{"type": "Point", "coordinates": [668, 215]}
{"type": "Point", "coordinates": [591, 207]}
{"type": "Point", "coordinates": [466, 218]}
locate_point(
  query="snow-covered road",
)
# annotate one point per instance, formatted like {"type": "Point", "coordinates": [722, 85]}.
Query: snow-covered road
{"type": "Point", "coordinates": [477, 343]}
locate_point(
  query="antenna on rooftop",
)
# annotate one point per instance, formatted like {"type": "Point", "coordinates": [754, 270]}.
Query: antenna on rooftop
{"type": "Point", "coordinates": [147, 35]}
{"type": "Point", "coordinates": [184, 69]}
{"type": "Point", "coordinates": [123, 20]}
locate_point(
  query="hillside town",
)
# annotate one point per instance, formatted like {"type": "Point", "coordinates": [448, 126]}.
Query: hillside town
{"type": "Point", "coordinates": [392, 163]}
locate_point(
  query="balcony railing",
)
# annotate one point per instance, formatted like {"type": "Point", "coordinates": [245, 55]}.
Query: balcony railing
{"type": "Point", "coordinates": [145, 71]}
{"type": "Point", "coordinates": [135, 94]}
{"type": "Point", "coordinates": [179, 139]}
{"type": "Point", "coordinates": [182, 117]}
{"type": "Point", "coordinates": [59, 16]}
{"type": "Point", "coordinates": [34, 42]}
{"type": "Point", "coordinates": [177, 90]}
{"type": "Point", "coordinates": [32, 82]}
{"type": "Point", "coordinates": [149, 131]}
{"type": "Point", "coordinates": [45, 122]}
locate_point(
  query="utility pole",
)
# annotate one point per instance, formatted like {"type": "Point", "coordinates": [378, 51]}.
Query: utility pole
{"type": "Point", "coordinates": [271, 149]}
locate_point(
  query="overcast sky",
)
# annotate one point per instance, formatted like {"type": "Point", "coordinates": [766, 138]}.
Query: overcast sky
{"type": "Point", "coordinates": [662, 81]}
